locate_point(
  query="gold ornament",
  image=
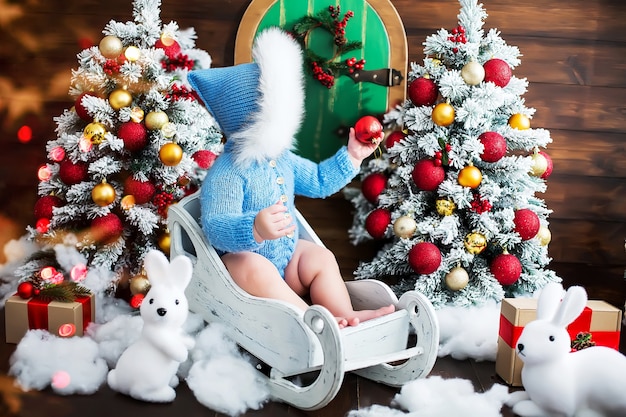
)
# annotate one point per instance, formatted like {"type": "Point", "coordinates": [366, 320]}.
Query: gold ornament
{"type": "Point", "coordinates": [103, 194]}
{"type": "Point", "coordinates": [443, 114]}
{"type": "Point", "coordinates": [139, 284]}
{"type": "Point", "coordinates": [445, 206]}
{"type": "Point", "coordinates": [111, 47]}
{"type": "Point", "coordinates": [136, 114]}
{"type": "Point", "coordinates": [404, 227]}
{"type": "Point", "coordinates": [519, 121]}
{"type": "Point", "coordinates": [95, 132]}
{"type": "Point", "coordinates": [539, 164]}
{"type": "Point", "coordinates": [164, 242]}
{"type": "Point", "coordinates": [475, 243]}
{"type": "Point", "coordinates": [132, 53]}
{"type": "Point", "coordinates": [119, 98]}
{"type": "Point", "coordinates": [171, 154]}
{"type": "Point", "coordinates": [544, 236]}
{"type": "Point", "coordinates": [473, 73]}
{"type": "Point", "coordinates": [155, 120]}
{"type": "Point", "coordinates": [456, 279]}
{"type": "Point", "coordinates": [128, 202]}
{"type": "Point", "coordinates": [470, 176]}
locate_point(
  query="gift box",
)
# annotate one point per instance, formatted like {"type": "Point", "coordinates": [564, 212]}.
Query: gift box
{"type": "Point", "coordinates": [34, 313]}
{"type": "Point", "coordinates": [600, 319]}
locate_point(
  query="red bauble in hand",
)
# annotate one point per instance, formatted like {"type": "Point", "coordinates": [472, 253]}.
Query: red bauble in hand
{"type": "Point", "coordinates": [368, 129]}
{"type": "Point", "coordinates": [506, 268]}
{"type": "Point", "coordinates": [425, 258]}
{"type": "Point", "coordinates": [427, 175]}
{"type": "Point", "coordinates": [373, 185]}
{"type": "Point", "coordinates": [377, 222]}
{"type": "Point", "coordinates": [423, 91]}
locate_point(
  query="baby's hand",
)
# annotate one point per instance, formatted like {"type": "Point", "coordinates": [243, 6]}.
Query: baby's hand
{"type": "Point", "coordinates": [273, 222]}
{"type": "Point", "coordinates": [358, 150]}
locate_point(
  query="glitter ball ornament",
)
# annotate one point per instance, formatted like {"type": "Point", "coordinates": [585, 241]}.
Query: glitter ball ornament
{"type": "Point", "coordinates": [470, 176]}
{"type": "Point", "coordinates": [445, 206]}
{"type": "Point", "coordinates": [80, 109]}
{"type": "Point", "coordinates": [139, 284]}
{"type": "Point", "coordinates": [204, 158]}
{"type": "Point", "coordinates": [95, 132]}
{"type": "Point", "coordinates": [25, 289]}
{"type": "Point", "coordinates": [472, 73]}
{"type": "Point", "coordinates": [543, 236]}
{"type": "Point", "coordinates": [526, 223]}
{"type": "Point", "coordinates": [456, 279]}
{"type": "Point", "coordinates": [143, 191]}
{"type": "Point", "coordinates": [72, 173]}
{"type": "Point", "coordinates": [427, 175]}
{"type": "Point", "coordinates": [443, 114]}
{"type": "Point", "coordinates": [475, 243]}
{"type": "Point", "coordinates": [404, 227]}
{"type": "Point", "coordinates": [393, 138]}
{"type": "Point", "coordinates": [103, 194]}
{"type": "Point", "coordinates": [368, 129]}
{"type": "Point", "coordinates": [519, 121]}
{"type": "Point", "coordinates": [134, 135]}
{"type": "Point", "coordinates": [541, 165]}
{"type": "Point", "coordinates": [43, 206]}
{"type": "Point", "coordinates": [155, 120]}
{"type": "Point", "coordinates": [494, 146]}
{"type": "Point", "coordinates": [171, 154]}
{"type": "Point", "coordinates": [111, 47]}
{"type": "Point", "coordinates": [498, 72]}
{"type": "Point", "coordinates": [164, 242]}
{"type": "Point", "coordinates": [120, 98]}
{"type": "Point", "coordinates": [424, 258]}
{"type": "Point", "coordinates": [506, 268]}
{"type": "Point", "coordinates": [106, 229]}
{"type": "Point", "coordinates": [373, 185]}
{"type": "Point", "coordinates": [423, 91]}
{"type": "Point", "coordinates": [377, 222]}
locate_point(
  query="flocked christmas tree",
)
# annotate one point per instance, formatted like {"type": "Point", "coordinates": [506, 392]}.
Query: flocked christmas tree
{"type": "Point", "coordinates": [136, 140]}
{"type": "Point", "coordinates": [454, 196]}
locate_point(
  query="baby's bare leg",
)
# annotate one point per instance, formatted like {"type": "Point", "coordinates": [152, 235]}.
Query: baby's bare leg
{"type": "Point", "coordinates": [313, 269]}
{"type": "Point", "coordinates": [256, 275]}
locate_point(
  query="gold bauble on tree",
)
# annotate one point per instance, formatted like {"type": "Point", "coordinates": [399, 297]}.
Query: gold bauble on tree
{"type": "Point", "coordinates": [136, 114]}
{"type": "Point", "coordinates": [171, 154]}
{"type": "Point", "coordinates": [470, 176]}
{"type": "Point", "coordinates": [155, 120]}
{"type": "Point", "coordinates": [164, 241]}
{"type": "Point", "coordinates": [111, 47]}
{"type": "Point", "coordinates": [519, 121]}
{"type": "Point", "coordinates": [119, 98]}
{"type": "Point", "coordinates": [456, 279]}
{"type": "Point", "coordinates": [539, 164]}
{"type": "Point", "coordinates": [544, 236]}
{"type": "Point", "coordinates": [139, 284]}
{"type": "Point", "coordinates": [132, 53]}
{"type": "Point", "coordinates": [443, 114]}
{"type": "Point", "coordinates": [404, 227]}
{"type": "Point", "coordinates": [473, 73]}
{"type": "Point", "coordinates": [95, 132]}
{"type": "Point", "coordinates": [445, 206]}
{"type": "Point", "coordinates": [103, 194]}
{"type": "Point", "coordinates": [475, 243]}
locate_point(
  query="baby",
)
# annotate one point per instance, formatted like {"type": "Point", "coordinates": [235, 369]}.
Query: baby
{"type": "Point", "coordinates": [247, 197]}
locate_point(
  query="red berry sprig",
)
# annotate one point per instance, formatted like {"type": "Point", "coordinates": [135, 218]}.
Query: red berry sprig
{"type": "Point", "coordinates": [354, 65]}
{"type": "Point", "coordinates": [180, 92]}
{"type": "Point", "coordinates": [111, 66]}
{"type": "Point", "coordinates": [457, 36]}
{"type": "Point", "coordinates": [442, 157]}
{"type": "Point", "coordinates": [179, 61]}
{"type": "Point", "coordinates": [327, 79]}
{"type": "Point", "coordinates": [480, 206]}
{"type": "Point", "coordinates": [340, 25]}
{"type": "Point", "coordinates": [162, 201]}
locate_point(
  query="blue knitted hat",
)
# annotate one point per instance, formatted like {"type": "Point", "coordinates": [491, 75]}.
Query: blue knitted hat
{"type": "Point", "coordinates": [231, 94]}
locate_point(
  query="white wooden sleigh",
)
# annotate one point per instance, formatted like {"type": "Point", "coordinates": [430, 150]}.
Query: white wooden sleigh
{"type": "Point", "coordinates": [297, 346]}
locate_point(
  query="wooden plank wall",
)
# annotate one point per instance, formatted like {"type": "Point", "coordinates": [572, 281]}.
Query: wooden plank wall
{"type": "Point", "coordinates": [574, 55]}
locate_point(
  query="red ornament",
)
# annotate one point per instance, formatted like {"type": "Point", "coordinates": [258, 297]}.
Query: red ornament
{"type": "Point", "coordinates": [135, 300]}
{"type": "Point", "coordinates": [42, 225]}
{"type": "Point", "coordinates": [367, 129]}
{"type": "Point", "coordinates": [43, 206]}
{"type": "Point", "coordinates": [495, 146]}
{"type": "Point", "coordinates": [204, 158]}
{"type": "Point", "coordinates": [527, 223]}
{"type": "Point", "coordinates": [373, 185]}
{"type": "Point", "coordinates": [81, 111]}
{"type": "Point", "coordinates": [427, 175]}
{"type": "Point", "coordinates": [550, 167]}
{"type": "Point", "coordinates": [393, 138]}
{"type": "Point", "coordinates": [25, 289]}
{"type": "Point", "coordinates": [171, 50]}
{"type": "Point", "coordinates": [498, 72]}
{"type": "Point", "coordinates": [425, 258]}
{"type": "Point", "coordinates": [423, 91]}
{"type": "Point", "coordinates": [143, 191]}
{"type": "Point", "coordinates": [377, 222]}
{"type": "Point", "coordinates": [134, 135]}
{"type": "Point", "coordinates": [72, 173]}
{"type": "Point", "coordinates": [107, 228]}
{"type": "Point", "coordinates": [506, 268]}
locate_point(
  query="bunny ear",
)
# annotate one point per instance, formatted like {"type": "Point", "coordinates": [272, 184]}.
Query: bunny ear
{"type": "Point", "coordinates": [573, 304]}
{"type": "Point", "coordinates": [182, 269]}
{"type": "Point", "coordinates": [156, 265]}
{"type": "Point", "coordinates": [549, 301]}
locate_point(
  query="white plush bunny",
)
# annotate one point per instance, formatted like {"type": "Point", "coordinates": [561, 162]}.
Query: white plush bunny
{"type": "Point", "coordinates": [558, 382]}
{"type": "Point", "coordinates": [146, 370]}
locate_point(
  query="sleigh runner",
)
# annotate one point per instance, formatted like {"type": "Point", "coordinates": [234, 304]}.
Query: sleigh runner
{"type": "Point", "coordinates": [292, 343]}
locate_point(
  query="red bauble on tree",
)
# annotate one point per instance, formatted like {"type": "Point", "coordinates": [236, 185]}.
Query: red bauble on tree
{"type": "Point", "coordinates": [377, 222]}
{"type": "Point", "coordinates": [106, 229]}
{"type": "Point", "coordinates": [527, 223]}
{"type": "Point", "coordinates": [495, 146]}
{"type": "Point", "coordinates": [393, 138]}
{"type": "Point", "coordinates": [43, 206]}
{"type": "Point", "coordinates": [497, 71]}
{"type": "Point", "coordinates": [72, 173]}
{"type": "Point", "coordinates": [423, 91]}
{"type": "Point", "coordinates": [368, 129]}
{"type": "Point", "coordinates": [143, 191]}
{"type": "Point", "coordinates": [80, 109]}
{"type": "Point", "coordinates": [134, 135]}
{"type": "Point", "coordinates": [373, 185]}
{"type": "Point", "coordinates": [506, 268]}
{"type": "Point", "coordinates": [425, 258]}
{"type": "Point", "coordinates": [427, 175]}
{"type": "Point", "coordinates": [172, 49]}
{"type": "Point", "coordinates": [204, 158]}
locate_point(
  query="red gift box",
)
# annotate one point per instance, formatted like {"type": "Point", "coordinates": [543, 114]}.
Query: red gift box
{"type": "Point", "coordinates": [35, 313]}
{"type": "Point", "coordinates": [600, 319]}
